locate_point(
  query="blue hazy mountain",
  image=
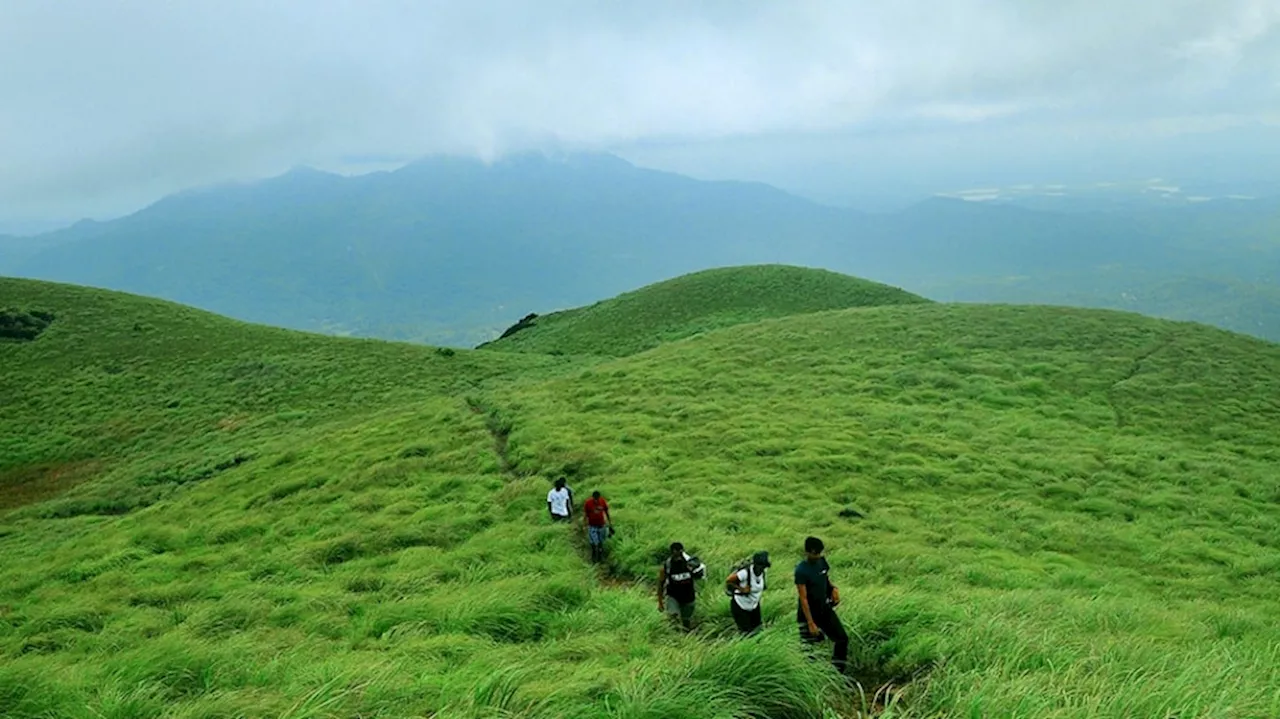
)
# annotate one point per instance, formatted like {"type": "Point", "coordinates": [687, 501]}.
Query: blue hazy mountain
{"type": "Point", "coordinates": [451, 250]}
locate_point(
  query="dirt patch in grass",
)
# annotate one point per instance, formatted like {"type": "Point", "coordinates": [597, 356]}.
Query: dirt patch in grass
{"type": "Point", "coordinates": [20, 486]}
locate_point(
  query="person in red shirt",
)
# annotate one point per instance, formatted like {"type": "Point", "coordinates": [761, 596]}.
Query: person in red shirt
{"type": "Point", "coordinates": [599, 524]}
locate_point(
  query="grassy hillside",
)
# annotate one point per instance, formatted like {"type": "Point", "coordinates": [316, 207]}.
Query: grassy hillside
{"type": "Point", "coordinates": [1030, 511]}
{"type": "Point", "coordinates": [695, 303]}
{"type": "Point", "coordinates": [1046, 512]}
{"type": "Point", "coordinates": [204, 518]}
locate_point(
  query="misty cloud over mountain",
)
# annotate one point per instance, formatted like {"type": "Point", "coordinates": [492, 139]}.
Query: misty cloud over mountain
{"type": "Point", "coordinates": [109, 106]}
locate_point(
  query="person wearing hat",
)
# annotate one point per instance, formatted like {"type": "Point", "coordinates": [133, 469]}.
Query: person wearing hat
{"type": "Point", "coordinates": [744, 588]}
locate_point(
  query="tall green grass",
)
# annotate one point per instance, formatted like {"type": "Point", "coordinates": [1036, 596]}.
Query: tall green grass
{"type": "Point", "coordinates": [1030, 512]}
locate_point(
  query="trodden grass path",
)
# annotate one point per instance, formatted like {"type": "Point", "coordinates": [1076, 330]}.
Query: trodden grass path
{"type": "Point", "coordinates": [874, 691]}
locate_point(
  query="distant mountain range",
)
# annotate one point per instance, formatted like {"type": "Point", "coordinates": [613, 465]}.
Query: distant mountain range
{"type": "Point", "coordinates": [451, 251]}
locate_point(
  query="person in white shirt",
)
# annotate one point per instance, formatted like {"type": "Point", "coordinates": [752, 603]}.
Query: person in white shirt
{"type": "Point", "coordinates": [560, 502]}
{"type": "Point", "coordinates": [744, 588]}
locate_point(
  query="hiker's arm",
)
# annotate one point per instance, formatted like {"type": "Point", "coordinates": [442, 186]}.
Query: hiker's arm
{"type": "Point", "coordinates": [804, 606]}
{"type": "Point", "coordinates": [662, 580]}
{"type": "Point", "coordinates": [735, 583]}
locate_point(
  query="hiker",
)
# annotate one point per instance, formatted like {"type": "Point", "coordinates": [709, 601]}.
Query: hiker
{"type": "Point", "coordinates": [676, 592]}
{"type": "Point", "coordinates": [599, 524]}
{"type": "Point", "coordinates": [744, 587]}
{"type": "Point", "coordinates": [815, 609]}
{"type": "Point", "coordinates": [560, 502]}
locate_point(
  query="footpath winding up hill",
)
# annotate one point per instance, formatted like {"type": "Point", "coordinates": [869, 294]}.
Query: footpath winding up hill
{"type": "Point", "coordinates": [1033, 512]}
{"type": "Point", "coordinates": [692, 304]}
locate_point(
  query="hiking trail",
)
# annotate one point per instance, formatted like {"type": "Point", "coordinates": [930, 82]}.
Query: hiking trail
{"type": "Point", "coordinates": [887, 691]}
{"type": "Point", "coordinates": [500, 430]}
{"type": "Point", "coordinates": [1134, 368]}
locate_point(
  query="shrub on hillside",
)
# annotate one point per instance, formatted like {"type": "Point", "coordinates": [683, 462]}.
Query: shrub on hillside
{"type": "Point", "coordinates": [23, 325]}
{"type": "Point", "coordinates": [525, 323]}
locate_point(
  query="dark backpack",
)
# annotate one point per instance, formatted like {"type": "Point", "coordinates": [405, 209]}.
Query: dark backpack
{"type": "Point", "coordinates": [680, 576]}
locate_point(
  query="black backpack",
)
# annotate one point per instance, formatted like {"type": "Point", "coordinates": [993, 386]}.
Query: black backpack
{"type": "Point", "coordinates": [681, 574]}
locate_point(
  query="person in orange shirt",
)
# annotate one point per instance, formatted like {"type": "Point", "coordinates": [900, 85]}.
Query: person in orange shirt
{"type": "Point", "coordinates": [599, 524]}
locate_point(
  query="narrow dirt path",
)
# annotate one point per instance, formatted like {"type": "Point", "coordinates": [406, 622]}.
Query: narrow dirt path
{"type": "Point", "coordinates": [1134, 368]}
{"type": "Point", "coordinates": [609, 573]}
{"type": "Point", "coordinates": [500, 430]}
{"type": "Point", "coordinates": [611, 576]}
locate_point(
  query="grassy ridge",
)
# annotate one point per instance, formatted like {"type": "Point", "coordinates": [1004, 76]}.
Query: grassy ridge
{"type": "Point", "coordinates": [1053, 513]}
{"type": "Point", "coordinates": [121, 377]}
{"type": "Point", "coordinates": [1031, 512]}
{"type": "Point", "coordinates": [695, 303]}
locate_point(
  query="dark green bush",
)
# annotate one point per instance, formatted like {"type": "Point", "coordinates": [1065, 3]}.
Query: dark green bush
{"type": "Point", "coordinates": [23, 325]}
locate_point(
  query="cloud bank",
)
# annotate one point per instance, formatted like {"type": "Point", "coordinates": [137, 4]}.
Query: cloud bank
{"type": "Point", "coordinates": [104, 102]}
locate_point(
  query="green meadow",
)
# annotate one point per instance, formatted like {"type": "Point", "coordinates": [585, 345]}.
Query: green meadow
{"type": "Point", "coordinates": [1030, 511]}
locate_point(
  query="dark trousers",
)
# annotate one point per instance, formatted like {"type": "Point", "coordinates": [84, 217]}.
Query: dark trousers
{"type": "Point", "coordinates": [829, 626]}
{"type": "Point", "coordinates": [748, 620]}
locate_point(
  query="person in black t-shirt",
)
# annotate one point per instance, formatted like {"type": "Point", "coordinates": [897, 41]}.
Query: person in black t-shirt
{"type": "Point", "coordinates": [815, 607]}
{"type": "Point", "coordinates": [676, 590]}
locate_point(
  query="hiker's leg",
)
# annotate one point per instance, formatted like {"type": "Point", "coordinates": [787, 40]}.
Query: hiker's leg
{"type": "Point", "coordinates": [686, 615]}
{"type": "Point", "coordinates": [831, 626]}
{"type": "Point", "coordinates": [596, 536]}
{"type": "Point", "coordinates": [741, 617]}
{"type": "Point", "coordinates": [754, 621]}
{"type": "Point", "coordinates": [673, 608]}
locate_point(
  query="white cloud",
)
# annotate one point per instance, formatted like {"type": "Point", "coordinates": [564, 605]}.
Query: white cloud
{"type": "Point", "coordinates": [105, 99]}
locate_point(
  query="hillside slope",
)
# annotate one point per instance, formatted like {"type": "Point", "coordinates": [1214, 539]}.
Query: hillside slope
{"type": "Point", "coordinates": [695, 303]}
{"type": "Point", "coordinates": [116, 373]}
{"type": "Point", "coordinates": [1030, 511]}
{"type": "Point", "coordinates": [206, 518]}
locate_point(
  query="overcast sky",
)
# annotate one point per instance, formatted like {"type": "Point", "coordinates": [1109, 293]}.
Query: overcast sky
{"type": "Point", "coordinates": [106, 104]}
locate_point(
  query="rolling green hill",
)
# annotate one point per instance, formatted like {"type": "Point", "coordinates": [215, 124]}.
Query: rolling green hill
{"type": "Point", "coordinates": [692, 304]}
{"type": "Point", "coordinates": [1030, 511]}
